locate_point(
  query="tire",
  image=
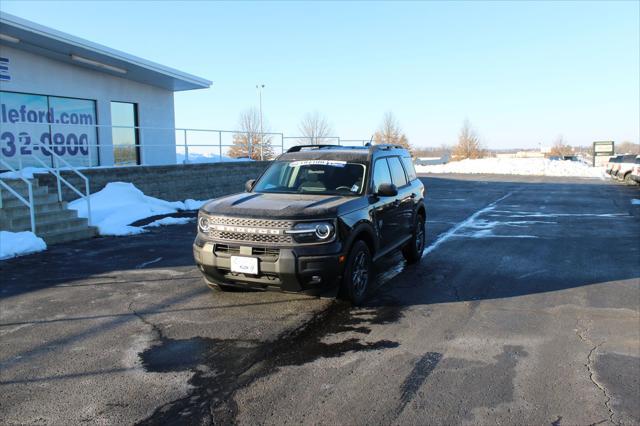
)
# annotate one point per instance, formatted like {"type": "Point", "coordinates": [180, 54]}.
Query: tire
{"type": "Point", "coordinates": [358, 274]}
{"type": "Point", "coordinates": [628, 180]}
{"type": "Point", "coordinates": [412, 252]}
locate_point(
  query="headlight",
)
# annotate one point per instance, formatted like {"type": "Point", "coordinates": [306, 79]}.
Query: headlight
{"type": "Point", "coordinates": [313, 232]}
{"type": "Point", "coordinates": [203, 224]}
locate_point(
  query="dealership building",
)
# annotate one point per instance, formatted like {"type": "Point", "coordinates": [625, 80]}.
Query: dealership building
{"type": "Point", "coordinates": [88, 103]}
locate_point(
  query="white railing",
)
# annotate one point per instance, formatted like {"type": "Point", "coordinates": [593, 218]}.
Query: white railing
{"type": "Point", "coordinates": [29, 203]}
{"type": "Point", "coordinates": [91, 145]}
{"type": "Point", "coordinates": [55, 170]}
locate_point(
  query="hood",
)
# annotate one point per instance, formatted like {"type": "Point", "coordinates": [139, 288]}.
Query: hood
{"type": "Point", "coordinates": [277, 206]}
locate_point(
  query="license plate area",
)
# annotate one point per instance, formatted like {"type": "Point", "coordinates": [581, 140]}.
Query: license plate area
{"type": "Point", "coordinates": [244, 265]}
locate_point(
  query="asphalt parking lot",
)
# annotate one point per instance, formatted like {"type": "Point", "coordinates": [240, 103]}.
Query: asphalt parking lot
{"type": "Point", "coordinates": [525, 309]}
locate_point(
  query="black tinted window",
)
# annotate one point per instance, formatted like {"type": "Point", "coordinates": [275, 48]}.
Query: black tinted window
{"type": "Point", "coordinates": [408, 167]}
{"type": "Point", "coordinates": [380, 174]}
{"type": "Point", "coordinates": [629, 159]}
{"type": "Point", "coordinates": [397, 172]}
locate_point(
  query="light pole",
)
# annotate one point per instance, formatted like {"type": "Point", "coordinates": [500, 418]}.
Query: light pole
{"type": "Point", "coordinates": [260, 87]}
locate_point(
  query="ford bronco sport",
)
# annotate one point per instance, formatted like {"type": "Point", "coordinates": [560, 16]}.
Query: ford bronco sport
{"type": "Point", "coordinates": [318, 216]}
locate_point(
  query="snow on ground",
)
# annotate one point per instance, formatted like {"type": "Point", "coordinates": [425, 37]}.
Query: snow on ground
{"type": "Point", "coordinates": [14, 244]}
{"type": "Point", "coordinates": [190, 204]}
{"type": "Point", "coordinates": [25, 172]}
{"type": "Point", "coordinates": [516, 166]}
{"type": "Point", "coordinates": [195, 157]}
{"type": "Point", "coordinates": [169, 221]}
{"type": "Point", "coordinates": [118, 204]}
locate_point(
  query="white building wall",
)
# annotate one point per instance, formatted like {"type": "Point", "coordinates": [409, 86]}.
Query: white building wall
{"type": "Point", "coordinates": [40, 75]}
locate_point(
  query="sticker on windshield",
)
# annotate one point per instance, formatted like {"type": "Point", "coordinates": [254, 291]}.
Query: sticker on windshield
{"type": "Point", "coordinates": [331, 163]}
{"type": "Point", "coordinates": [354, 188]}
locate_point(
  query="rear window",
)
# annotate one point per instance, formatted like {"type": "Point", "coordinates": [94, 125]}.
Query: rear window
{"type": "Point", "coordinates": [397, 172]}
{"type": "Point", "coordinates": [408, 167]}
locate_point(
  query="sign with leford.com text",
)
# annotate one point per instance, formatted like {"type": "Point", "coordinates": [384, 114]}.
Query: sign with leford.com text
{"type": "Point", "coordinates": [35, 126]}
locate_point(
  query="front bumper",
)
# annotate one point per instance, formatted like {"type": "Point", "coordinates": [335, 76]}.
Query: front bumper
{"type": "Point", "coordinates": [291, 269]}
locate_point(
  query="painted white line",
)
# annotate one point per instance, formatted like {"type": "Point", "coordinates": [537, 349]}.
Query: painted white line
{"type": "Point", "coordinates": [451, 232]}
{"type": "Point", "coordinates": [530, 274]}
{"type": "Point", "coordinates": [143, 264]}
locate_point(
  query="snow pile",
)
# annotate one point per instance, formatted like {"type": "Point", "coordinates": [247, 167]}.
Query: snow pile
{"type": "Point", "coordinates": [516, 166]}
{"type": "Point", "coordinates": [14, 244]}
{"type": "Point", "coordinates": [196, 158]}
{"type": "Point", "coordinates": [194, 204]}
{"type": "Point", "coordinates": [118, 204]}
{"type": "Point", "coordinates": [169, 221]}
{"type": "Point", "coordinates": [25, 172]}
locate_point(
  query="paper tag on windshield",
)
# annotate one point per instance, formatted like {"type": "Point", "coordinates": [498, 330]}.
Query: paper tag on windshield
{"type": "Point", "coordinates": [354, 188]}
{"type": "Point", "coordinates": [318, 163]}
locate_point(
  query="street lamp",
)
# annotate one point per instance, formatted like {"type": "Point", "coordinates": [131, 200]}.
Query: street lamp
{"type": "Point", "coordinates": [259, 87]}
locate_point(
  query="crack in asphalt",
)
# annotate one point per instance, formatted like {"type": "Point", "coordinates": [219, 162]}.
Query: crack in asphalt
{"type": "Point", "coordinates": [581, 333]}
{"type": "Point", "coordinates": [156, 329]}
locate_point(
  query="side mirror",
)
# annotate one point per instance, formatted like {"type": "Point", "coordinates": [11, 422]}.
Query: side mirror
{"type": "Point", "coordinates": [248, 185]}
{"type": "Point", "coordinates": [387, 190]}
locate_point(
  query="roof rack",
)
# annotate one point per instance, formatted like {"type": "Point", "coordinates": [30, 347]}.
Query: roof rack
{"type": "Point", "coordinates": [387, 146]}
{"type": "Point", "coordinates": [368, 146]}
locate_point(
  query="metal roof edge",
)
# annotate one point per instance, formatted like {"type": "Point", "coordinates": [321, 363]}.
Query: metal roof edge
{"type": "Point", "coordinates": [26, 25]}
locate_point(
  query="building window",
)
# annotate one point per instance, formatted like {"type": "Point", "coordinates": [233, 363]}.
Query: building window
{"type": "Point", "coordinates": [32, 127]}
{"type": "Point", "coordinates": [124, 119]}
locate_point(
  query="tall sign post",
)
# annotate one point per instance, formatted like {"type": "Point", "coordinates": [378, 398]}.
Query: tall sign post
{"type": "Point", "coordinates": [602, 150]}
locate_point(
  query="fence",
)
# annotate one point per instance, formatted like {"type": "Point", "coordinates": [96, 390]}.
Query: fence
{"type": "Point", "coordinates": [86, 145]}
{"type": "Point", "coordinates": [23, 144]}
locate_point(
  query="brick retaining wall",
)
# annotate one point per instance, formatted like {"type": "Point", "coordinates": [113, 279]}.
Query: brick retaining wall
{"type": "Point", "coordinates": [173, 183]}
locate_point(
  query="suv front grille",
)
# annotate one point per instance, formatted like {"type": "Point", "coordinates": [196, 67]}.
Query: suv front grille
{"type": "Point", "coordinates": [264, 253]}
{"type": "Point", "coordinates": [236, 235]}
{"type": "Point", "coordinates": [251, 238]}
{"type": "Point", "coordinates": [258, 223]}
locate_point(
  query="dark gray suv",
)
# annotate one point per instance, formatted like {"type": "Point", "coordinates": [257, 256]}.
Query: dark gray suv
{"type": "Point", "coordinates": [319, 216]}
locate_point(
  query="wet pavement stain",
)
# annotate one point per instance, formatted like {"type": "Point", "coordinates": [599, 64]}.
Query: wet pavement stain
{"type": "Point", "coordinates": [419, 374]}
{"type": "Point", "coordinates": [464, 377]}
{"type": "Point", "coordinates": [222, 367]}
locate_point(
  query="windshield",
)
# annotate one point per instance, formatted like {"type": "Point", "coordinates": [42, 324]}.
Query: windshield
{"type": "Point", "coordinates": [325, 177]}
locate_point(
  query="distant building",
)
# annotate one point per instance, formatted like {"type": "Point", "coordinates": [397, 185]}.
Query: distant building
{"type": "Point", "coordinates": [67, 93]}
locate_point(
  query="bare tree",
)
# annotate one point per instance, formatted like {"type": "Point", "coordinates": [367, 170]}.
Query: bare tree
{"type": "Point", "coordinates": [314, 129]}
{"type": "Point", "coordinates": [560, 147]}
{"type": "Point", "coordinates": [468, 145]}
{"type": "Point", "coordinates": [391, 133]}
{"type": "Point", "coordinates": [249, 142]}
{"type": "Point", "coordinates": [627, 147]}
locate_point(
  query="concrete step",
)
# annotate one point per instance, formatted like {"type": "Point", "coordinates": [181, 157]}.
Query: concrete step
{"type": "Point", "coordinates": [19, 184]}
{"type": "Point", "coordinates": [38, 191]}
{"type": "Point", "coordinates": [61, 225]}
{"type": "Point", "coordinates": [22, 210]}
{"type": "Point", "coordinates": [71, 234]}
{"type": "Point", "coordinates": [43, 219]}
{"type": "Point", "coordinates": [39, 199]}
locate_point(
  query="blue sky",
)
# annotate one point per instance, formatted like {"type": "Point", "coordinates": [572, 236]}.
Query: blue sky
{"type": "Point", "coordinates": [522, 72]}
